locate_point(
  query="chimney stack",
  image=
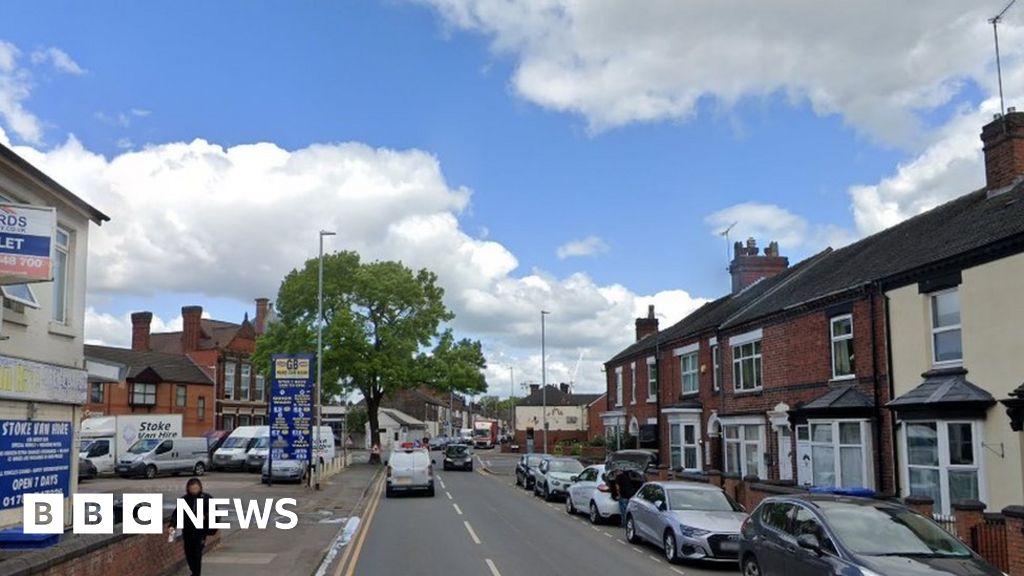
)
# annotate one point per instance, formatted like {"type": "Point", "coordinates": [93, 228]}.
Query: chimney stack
{"type": "Point", "coordinates": [1003, 143]}
{"type": "Point", "coordinates": [534, 388]}
{"type": "Point", "coordinates": [192, 329]}
{"type": "Point", "coordinates": [646, 326]}
{"type": "Point", "coordinates": [262, 307]}
{"type": "Point", "coordinates": [564, 388]}
{"type": "Point", "coordinates": [140, 330]}
{"type": "Point", "coordinates": [748, 266]}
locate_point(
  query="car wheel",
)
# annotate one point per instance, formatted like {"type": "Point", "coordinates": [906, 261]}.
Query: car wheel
{"type": "Point", "coordinates": [669, 543]}
{"type": "Point", "coordinates": [388, 493]}
{"type": "Point", "coordinates": [199, 469]}
{"type": "Point", "coordinates": [570, 508]}
{"type": "Point", "coordinates": [595, 515]}
{"type": "Point", "coordinates": [631, 534]}
{"type": "Point", "coordinates": [430, 492]}
{"type": "Point", "coordinates": [750, 567]}
{"type": "Point", "coordinates": [470, 468]}
{"type": "Point", "coordinates": [547, 494]}
{"type": "Point", "coordinates": [150, 471]}
{"type": "Point", "coordinates": [445, 467]}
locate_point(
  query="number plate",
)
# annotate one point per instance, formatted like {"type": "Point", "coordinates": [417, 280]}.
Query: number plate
{"type": "Point", "coordinates": [403, 481]}
{"type": "Point", "coordinates": [729, 546]}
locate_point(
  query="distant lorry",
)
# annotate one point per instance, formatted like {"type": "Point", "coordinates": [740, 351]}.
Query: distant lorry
{"type": "Point", "coordinates": [485, 433]}
{"type": "Point", "coordinates": [105, 439]}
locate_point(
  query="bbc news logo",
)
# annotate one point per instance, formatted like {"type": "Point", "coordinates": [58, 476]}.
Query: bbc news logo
{"type": "Point", "coordinates": [144, 513]}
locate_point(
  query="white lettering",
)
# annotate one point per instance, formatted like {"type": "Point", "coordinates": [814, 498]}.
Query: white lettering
{"type": "Point", "coordinates": [282, 511]}
{"type": "Point", "coordinates": [183, 510]}
{"type": "Point", "coordinates": [216, 512]}
{"type": "Point", "coordinates": [253, 511]}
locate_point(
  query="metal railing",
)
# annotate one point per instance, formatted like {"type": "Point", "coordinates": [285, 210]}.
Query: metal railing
{"type": "Point", "coordinates": [947, 521]}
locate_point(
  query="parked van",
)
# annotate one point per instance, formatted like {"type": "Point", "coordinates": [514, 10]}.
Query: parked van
{"type": "Point", "coordinates": [256, 455]}
{"type": "Point", "coordinates": [150, 457]}
{"type": "Point", "coordinates": [231, 454]}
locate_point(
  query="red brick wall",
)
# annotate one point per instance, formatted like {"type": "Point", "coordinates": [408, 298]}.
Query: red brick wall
{"type": "Point", "coordinates": [554, 437]}
{"type": "Point", "coordinates": [137, 555]}
{"type": "Point", "coordinates": [116, 398]}
{"type": "Point", "coordinates": [595, 426]}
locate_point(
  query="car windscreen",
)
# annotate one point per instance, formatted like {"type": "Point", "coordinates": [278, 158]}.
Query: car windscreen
{"type": "Point", "coordinates": [481, 432]}
{"type": "Point", "coordinates": [84, 446]}
{"type": "Point", "coordinates": [704, 500]}
{"type": "Point", "coordinates": [889, 531]}
{"type": "Point", "coordinates": [235, 442]}
{"type": "Point", "coordinates": [263, 442]}
{"type": "Point", "coordinates": [570, 466]}
{"type": "Point", "coordinates": [143, 446]}
{"type": "Point", "coordinates": [533, 461]}
{"type": "Point", "coordinates": [410, 460]}
{"type": "Point", "coordinates": [455, 451]}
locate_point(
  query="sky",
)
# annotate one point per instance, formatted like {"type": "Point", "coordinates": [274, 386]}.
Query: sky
{"type": "Point", "coordinates": [575, 157]}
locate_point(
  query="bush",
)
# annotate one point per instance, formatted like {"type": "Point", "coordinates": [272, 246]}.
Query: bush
{"type": "Point", "coordinates": [599, 441]}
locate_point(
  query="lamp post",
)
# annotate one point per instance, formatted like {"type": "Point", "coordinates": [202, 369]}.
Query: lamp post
{"type": "Point", "coordinates": [544, 379]}
{"type": "Point", "coordinates": [319, 348]}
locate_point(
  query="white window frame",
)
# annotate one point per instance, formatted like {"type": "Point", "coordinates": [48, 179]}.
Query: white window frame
{"type": "Point", "coordinates": [716, 366]}
{"type": "Point", "coordinates": [245, 392]}
{"type": "Point", "coordinates": [229, 381]}
{"type": "Point", "coordinates": [144, 390]}
{"type": "Point", "coordinates": [61, 316]}
{"type": "Point", "coordinates": [618, 386]}
{"type": "Point", "coordinates": [836, 445]}
{"type": "Point", "coordinates": [935, 331]}
{"type": "Point", "coordinates": [184, 401]}
{"type": "Point", "coordinates": [33, 302]}
{"type": "Point", "coordinates": [693, 373]}
{"type": "Point", "coordinates": [840, 338]}
{"type": "Point", "coordinates": [652, 380]}
{"type": "Point", "coordinates": [261, 388]}
{"type": "Point", "coordinates": [632, 382]}
{"type": "Point", "coordinates": [737, 371]}
{"type": "Point", "coordinates": [201, 408]}
{"type": "Point", "coordinates": [742, 444]}
{"type": "Point", "coordinates": [942, 431]}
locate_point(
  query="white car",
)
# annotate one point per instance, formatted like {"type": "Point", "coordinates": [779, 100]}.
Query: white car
{"type": "Point", "coordinates": [589, 493]}
{"type": "Point", "coordinates": [410, 469]}
{"type": "Point", "coordinates": [554, 475]}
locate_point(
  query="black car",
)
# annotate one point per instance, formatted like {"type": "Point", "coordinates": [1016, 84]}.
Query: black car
{"type": "Point", "coordinates": [458, 457]}
{"type": "Point", "coordinates": [824, 534]}
{"type": "Point", "coordinates": [524, 469]}
{"type": "Point", "coordinates": [86, 469]}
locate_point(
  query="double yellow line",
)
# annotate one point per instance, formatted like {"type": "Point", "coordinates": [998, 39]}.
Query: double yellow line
{"type": "Point", "coordinates": [349, 559]}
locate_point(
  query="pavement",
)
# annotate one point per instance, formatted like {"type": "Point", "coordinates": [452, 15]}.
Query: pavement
{"type": "Point", "coordinates": [480, 523]}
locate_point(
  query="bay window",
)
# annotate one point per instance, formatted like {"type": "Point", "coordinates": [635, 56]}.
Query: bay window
{"type": "Point", "coordinates": [744, 445]}
{"type": "Point", "coordinates": [943, 461]}
{"type": "Point", "coordinates": [684, 452]}
{"type": "Point", "coordinates": [840, 454]}
{"type": "Point", "coordinates": [841, 329]}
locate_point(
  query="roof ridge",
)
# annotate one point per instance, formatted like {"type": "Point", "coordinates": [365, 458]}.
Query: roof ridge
{"type": "Point", "coordinates": [801, 268]}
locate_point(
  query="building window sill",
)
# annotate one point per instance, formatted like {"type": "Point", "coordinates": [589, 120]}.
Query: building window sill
{"type": "Point", "coordinates": [653, 400]}
{"type": "Point", "coordinates": [846, 378]}
{"type": "Point", "coordinates": [755, 392]}
{"type": "Point", "coordinates": [61, 329]}
{"type": "Point", "coordinates": [13, 317]}
{"type": "Point", "coordinates": [693, 394]}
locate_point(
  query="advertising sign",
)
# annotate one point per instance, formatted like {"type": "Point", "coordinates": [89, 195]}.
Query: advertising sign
{"type": "Point", "coordinates": [35, 457]}
{"type": "Point", "coordinates": [27, 380]}
{"type": "Point", "coordinates": [26, 243]}
{"type": "Point", "coordinates": [291, 407]}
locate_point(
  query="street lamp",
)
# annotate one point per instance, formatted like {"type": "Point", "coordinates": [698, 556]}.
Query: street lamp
{"type": "Point", "coordinates": [544, 378]}
{"type": "Point", "coordinates": [512, 401]}
{"type": "Point", "coordinates": [319, 347]}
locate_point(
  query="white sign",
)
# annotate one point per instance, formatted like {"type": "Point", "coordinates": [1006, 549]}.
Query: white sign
{"type": "Point", "coordinates": [27, 380]}
{"type": "Point", "coordinates": [26, 243]}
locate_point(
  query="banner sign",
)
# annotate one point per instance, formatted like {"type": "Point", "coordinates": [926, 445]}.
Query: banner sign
{"type": "Point", "coordinates": [26, 243]}
{"type": "Point", "coordinates": [291, 407]}
{"type": "Point", "coordinates": [35, 381]}
{"type": "Point", "coordinates": [35, 457]}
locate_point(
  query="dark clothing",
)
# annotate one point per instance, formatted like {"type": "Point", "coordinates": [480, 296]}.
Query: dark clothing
{"type": "Point", "coordinates": [626, 484]}
{"type": "Point", "coordinates": [194, 545]}
{"type": "Point", "coordinates": [193, 537]}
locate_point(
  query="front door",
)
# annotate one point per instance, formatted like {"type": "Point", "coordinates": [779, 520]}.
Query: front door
{"type": "Point", "coordinates": [785, 453]}
{"type": "Point", "coordinates": [804, 472]}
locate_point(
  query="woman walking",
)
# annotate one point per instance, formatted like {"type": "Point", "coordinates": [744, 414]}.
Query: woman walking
{"type": "Point", "coordinates": [193, 537]}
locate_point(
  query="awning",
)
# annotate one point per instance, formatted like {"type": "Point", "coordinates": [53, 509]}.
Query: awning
{"type": "Point", "coordinates": [944, 393]}
{"type": "Point", "coordinates": [842, 401]}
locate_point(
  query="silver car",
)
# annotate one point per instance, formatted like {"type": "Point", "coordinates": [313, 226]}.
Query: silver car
{"type": "Point", "coordinates": [284, 470]}
{"type": "Point", "coordinates": [589, 493]}
{"type": "Point", "coordinates": [554, 476]}
{"type": "Point", "coordinates": [408, 470]}
{"type": "Point", "coordinates": [688, 520]}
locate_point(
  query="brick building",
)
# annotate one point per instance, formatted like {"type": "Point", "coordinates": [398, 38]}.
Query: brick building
{"type": "Point", "coordinates": [152, 383]}
{"type": "Point", "coordinates": [221, 349]}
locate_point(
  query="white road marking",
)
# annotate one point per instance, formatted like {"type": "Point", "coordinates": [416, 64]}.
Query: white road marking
{"type": "Point", "coordinates": [457, 509]}
{"type": "Point", "coordinates": [635, 549]}
{"type": "Point", "coordinates": [621, 541]}
{"type": "Point", "coordinates": [608, 535]}
{"type": "Point", "coordinates": [443, 487]}
{"type": "Point", "coordinates": [678, 571]}
{"type": "Point", "coordinates": [448, 494]}
{"type": "Point", "coordinates": [655, 558]}
{"type": "Point", "coordinates": [471, 533]}
{"type": "Point", "coordinates": [494, 569]}
{"type": "Point", "coordinates": [595, 528]}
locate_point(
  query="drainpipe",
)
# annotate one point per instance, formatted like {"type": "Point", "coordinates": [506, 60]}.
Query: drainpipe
{"type": "Point", "coordinates": [896, 476]}
{"type": "Point", "coordinates": [874, 388]}
{"type": "Point", "coordinates": [657, 401]}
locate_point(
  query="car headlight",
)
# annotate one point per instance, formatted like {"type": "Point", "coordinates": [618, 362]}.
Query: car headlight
{"type": "Point", "coordinates": [692, 532]}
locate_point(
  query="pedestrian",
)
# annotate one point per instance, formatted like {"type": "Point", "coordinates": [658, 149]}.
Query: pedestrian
{"type": "Point", "coordinates": [623, 486]}
{"type": "Point", "coordinates": [193, 537]}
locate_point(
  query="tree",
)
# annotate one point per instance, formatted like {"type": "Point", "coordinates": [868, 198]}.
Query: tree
{"type": "Point", "coordinates": [355, 420]}
{"type": "Point", "coordinates": [380, 318]}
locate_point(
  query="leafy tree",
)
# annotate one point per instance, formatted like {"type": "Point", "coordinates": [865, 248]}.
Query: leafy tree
{"type": "Point", "coordinates": [355, 420]}
{"type": "Point", "coordinates": [380, 318]}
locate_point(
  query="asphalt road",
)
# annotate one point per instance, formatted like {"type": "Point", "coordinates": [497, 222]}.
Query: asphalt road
{"type": "Point", "coordinates": [479, 523]}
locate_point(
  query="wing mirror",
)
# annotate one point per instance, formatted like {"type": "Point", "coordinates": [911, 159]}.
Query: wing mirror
{"type": "Point", "coordinates": [660, 505]}
{"type": "Point", "coordinates": [574, 479]}
{"type": "Point", "coordinates": [809, 542]}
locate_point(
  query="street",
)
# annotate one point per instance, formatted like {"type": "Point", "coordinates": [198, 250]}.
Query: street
{"type": "Point", "coordinates": [480, 523]}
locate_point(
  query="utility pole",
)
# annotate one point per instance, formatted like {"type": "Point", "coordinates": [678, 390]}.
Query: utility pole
{"type": "Point", "coordinates": [544, 378]}
{"type": "Point", "coordinates": [319, 352]}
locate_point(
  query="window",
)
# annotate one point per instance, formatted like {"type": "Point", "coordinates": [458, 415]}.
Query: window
{"type": "Point", "coordinates": [180, 395]}
{"type": "Point", "coordinates": [572, 419]}
{"type": "Point", "coordinates": [96, 392]}
{"type": "Point", "coordinates": [260, 388]}
{"type": "Point", "coordinates": [777, 515]}
{"type": "Point", "coordinates": [143, 394]}
{"type": "Point", "coordinates": [618, 386]}
{"type": "Point", "coordinates": [258, 421]}
{"type": "Point", "coordinates": [716, 361]}
{"type": "Point", "coordinates": [62, 247]}
{"type": "Point", "coordinates": [21, 294]}
{"type": "Point", "coordinates": [229, 380]}
{"type": "Point", "coordinates": [946, 344]}
{"type": "Point", "coordinates": [942, 461]}
{"type": "Point", "coordinates": [839, 454]}
{"type": "Point", "coordinates": [746, 366]}
{"type": "Point", "coordinates": [683, 446]}
{"type": "Point", "coordinates": [842, 346]}
{"type": "Point", "coordinates": [243, 420]}
{"type": "Point", "coordinates": [246, 377]}
{"type": "Point", "coordinates": [688, 369]}
{"type": "Point", "coordinates": [743, 449]}
{"type": "Point", "coordinates": [652, 380]}
{"type": "Point", "coordinates": [229, 422]}
{"type": "Point", "coordinates": [632, 383]}
{"type": "Point", "coordinates": [805, 522]}
{"type": "Point", "coordinates": [201, 408]}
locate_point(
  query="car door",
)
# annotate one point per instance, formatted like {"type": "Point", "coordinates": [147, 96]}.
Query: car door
{"type": "Point", "coordinates": [643, 510]}
{"type": "Point", "coordinates": [581, 490]}
{"type": "Point", "coordinates": [775, 539]}
{"type": "Point", "coordinates": [163, 457]}
{"type": "Point", "coordinates": [803, 562]}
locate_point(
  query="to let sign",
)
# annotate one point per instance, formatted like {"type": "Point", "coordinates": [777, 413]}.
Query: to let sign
{"type": "Point", "coordinates": [26, 243]}
{"type": "Point", "coordinates": [291, 407]}
{"type": "Point", "coordinates": [35, 457]}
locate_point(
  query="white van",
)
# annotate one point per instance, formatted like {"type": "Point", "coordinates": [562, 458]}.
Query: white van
{"type": "Point", "coordinates": [257, 455]}
{"type": "Point", "coordinates": [151, 456]}
{"type": "Point", "coordinates": [231, 454]}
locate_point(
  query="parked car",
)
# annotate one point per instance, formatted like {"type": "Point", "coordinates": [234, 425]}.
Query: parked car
{"type": "Point", "coordinates": [825, 534]}
{"type": "Point", "coordinates": [86, 469]}
{"type": "Point", "coordinates": [687, 520]}
{"type": "Point", "coordinates": [639, 458]}
{"type": "Point", "coordinates": [284, 470]}
{"type": "Point", "coordinates": [589, 493]}
{"type": "Point", "coordinates": [554, 476]}
{"type": "Point", "coordinates": [525, 468]}
{"type": "Point", "coordinates": [408, 470]}
{"type": "Point", "coordinates": [458, 457]}
{"type": "Point", "coordinates": [151, 457]}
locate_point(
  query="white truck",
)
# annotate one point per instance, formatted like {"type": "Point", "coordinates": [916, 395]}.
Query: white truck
{"type": "Point", "coordinates": [104, 439]}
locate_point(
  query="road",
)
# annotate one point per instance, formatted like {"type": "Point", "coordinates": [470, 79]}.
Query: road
{"type": "Point", "coordinates": [479, 523]}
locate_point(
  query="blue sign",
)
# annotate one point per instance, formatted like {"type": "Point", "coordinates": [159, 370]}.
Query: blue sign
{"type": "Point", "coordinates": [291, 407]}
{"type": "Point", "coordinates": [35, 457]}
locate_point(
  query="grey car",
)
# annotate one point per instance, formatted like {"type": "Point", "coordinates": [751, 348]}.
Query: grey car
{"type": "Point", "coordinates": [829, 535]}
{"type": "Point", "coordinates": [687, 520]}
{"type": "Point", "coordinates": [554, 476]}
{"type": "Point", "coordinates": [284, 470]}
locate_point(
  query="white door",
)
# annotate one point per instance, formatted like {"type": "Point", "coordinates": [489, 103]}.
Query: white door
{"type": "Point", "coordinates": [785, 437]}
{"type": "Point", "coordinates": [804, 472]}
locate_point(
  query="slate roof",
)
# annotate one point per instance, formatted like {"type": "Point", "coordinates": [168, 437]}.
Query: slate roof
{"type": "Point", "coordinates": [170, 367]}
{"type": "Point", "coordinates": [842, 396]}
{"type": "Point", "coordinates": [948, 386]}
{"type": "Point", "coordinates": [402, 418]}
{"type": "Point", "coordinates": [556, 397]}
{"type": "Point", "coordinates": [215, 333]}
{"type": "Point", "coordinates": [1019, 392]}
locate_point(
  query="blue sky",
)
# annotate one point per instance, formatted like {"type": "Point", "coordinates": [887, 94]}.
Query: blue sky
{"type": "Point", "coordinates": [547, 164]}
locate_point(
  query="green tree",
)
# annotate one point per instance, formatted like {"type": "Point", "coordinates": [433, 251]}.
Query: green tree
{"type": "Point", "coordinates": [355, 420]}
{"type": "Point", "coordinates": [380, 319]}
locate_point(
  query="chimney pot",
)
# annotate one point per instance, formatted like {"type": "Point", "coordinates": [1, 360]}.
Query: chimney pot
{"type": "Point", "coordinates": [748, 267]}
{"type": "Point", "coordinates": [1003, 143]}
{"type": "Point", "coordinates": [564, 388]}
{"type": "Point", "coordinates": [646, 326]}
{"type": "Point", "coordinates": [141, 322]}
{"type": "Point", "coordinates": [192, 329]}
{"type": "Point", "coordinates": [534, 388]}
{"type": "Point", "coordinates": [262, 308]}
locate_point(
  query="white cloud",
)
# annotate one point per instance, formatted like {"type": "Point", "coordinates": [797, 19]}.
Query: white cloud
{"type": "Point", "coordinates": [588, 246]}
{"type": "Point", "coordinates": [767, 222]}
{"type": "Point", "coordinates": [110, 330]}
{"type": "Point", "coordinates": [60, 60]}
{"type": "Point", "coordinates": [874, 62]}
{"type": "Point", "coordinates": [15, 88]}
